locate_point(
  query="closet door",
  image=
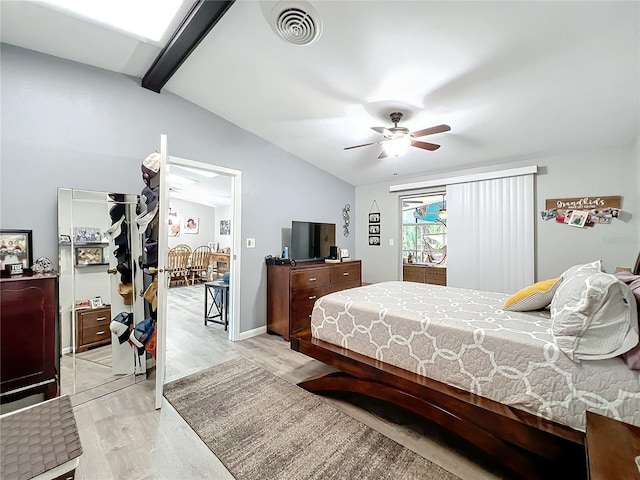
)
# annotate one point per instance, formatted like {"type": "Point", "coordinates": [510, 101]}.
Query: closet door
{"type": "Point", "coordinates": [163, 244]}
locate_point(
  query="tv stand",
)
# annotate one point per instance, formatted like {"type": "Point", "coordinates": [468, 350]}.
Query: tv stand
{"type": "Point", "coordinates": [292, 291]}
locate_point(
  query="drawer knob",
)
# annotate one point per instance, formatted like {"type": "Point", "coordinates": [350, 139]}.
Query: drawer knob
{"type": "Point", "coordinates": [101, 332]}
{"type": "Point", "coordinates": [345, 274]}
{"type": "Point", "coordinates": [313, 297]}
{"type": "Point", "coordinates": [99, 319]}
{"type": "Point", "coordinates": [312, 279]}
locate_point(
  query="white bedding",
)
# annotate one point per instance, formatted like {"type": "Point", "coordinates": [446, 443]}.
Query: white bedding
{"type": "Point", "coordinates": [464, 338]}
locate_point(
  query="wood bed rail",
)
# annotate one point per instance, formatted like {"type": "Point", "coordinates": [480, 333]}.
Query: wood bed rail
{"type": "Point", "coordinates": [527, 445]}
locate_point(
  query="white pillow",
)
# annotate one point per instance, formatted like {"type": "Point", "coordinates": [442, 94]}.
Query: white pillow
{"type": "Point", "coordinates": [593, 314]}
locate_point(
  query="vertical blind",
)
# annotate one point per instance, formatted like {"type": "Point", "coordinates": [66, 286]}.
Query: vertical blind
{"type": "Point", "coordinates": [490, 232]}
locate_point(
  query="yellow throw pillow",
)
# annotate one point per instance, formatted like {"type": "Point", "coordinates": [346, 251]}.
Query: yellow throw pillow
{"type": "Point", "coordinates": [534, 297]}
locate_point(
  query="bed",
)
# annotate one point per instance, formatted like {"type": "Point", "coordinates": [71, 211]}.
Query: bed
{"type": "Point", "coordinates": [455, 356]}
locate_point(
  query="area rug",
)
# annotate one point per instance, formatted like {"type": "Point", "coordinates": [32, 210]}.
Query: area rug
{"type": "Point", "coordinates": [262, 427]}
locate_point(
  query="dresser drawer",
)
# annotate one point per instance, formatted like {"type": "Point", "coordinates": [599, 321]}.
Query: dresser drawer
{"type": "Point", "coordinates": [302, 305]}
{"type": "Point", "coordinates": [101, 334]}
{"type": "Point", "coordinates": [318, 277]}
{"type": "Point", "coordinates": [345, 273]}
{"type": "Point", "coordinates": [345, 286]}
{"type": "Point", "coordinates": [95, 318]}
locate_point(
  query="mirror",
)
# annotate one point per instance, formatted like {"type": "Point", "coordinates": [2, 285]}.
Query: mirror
{"type": "Point", "coordinates": [99, 244]}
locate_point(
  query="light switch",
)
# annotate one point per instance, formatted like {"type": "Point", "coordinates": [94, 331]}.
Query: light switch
{"type": "Point", "coordinates": [391, 242]}
{"type": "Point", "coordinates": [251, 243]}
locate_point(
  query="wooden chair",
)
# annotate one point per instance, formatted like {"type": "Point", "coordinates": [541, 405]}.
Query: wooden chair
{"type": "Point", "coordinates": [178, 265]}
{"type": "Point", "coordinates": [200, 259]}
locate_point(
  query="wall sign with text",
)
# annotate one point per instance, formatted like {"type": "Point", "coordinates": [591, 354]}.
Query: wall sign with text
{"type": "Point", "coordinates": [582, 211]}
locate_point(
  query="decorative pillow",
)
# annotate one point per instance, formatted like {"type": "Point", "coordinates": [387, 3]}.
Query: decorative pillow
{"type": "Point", "coordinates": [534, 297]}
{"type": "Point", "coordinates": [593, 316]}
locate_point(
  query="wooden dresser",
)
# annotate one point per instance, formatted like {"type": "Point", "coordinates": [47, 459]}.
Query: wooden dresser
{"type": "Point", "coordinates": [292, 291]}
{"type": "Point", "coordinates": [424, 274]}
{"type": "Point", "coordinates": [29, 346]}
{"type": "Point", "coordinates": [92, 328]}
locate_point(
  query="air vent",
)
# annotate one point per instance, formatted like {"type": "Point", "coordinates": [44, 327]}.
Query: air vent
{"type": "Point", "coordinates": [296, 23]}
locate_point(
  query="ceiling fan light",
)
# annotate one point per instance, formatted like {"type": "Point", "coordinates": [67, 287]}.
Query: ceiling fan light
{"type": "Point", "coordinates": [396, 146]}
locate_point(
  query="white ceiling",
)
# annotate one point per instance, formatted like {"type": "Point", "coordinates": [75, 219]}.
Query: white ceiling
{"type": "Point", "coordinates": [514, 80]}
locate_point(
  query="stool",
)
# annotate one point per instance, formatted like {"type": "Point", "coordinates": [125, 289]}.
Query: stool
{"type": "Point", "coordinates": [51, 453]}
{"type": "Point", "coordinates": [218, 292]}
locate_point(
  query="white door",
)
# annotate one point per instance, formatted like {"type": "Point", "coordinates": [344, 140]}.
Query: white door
{"type": "Point", "coordinates": [163, 242]}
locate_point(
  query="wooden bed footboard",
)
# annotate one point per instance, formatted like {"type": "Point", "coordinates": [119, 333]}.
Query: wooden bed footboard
{"type": "Point", "coordinates": [527, 445]}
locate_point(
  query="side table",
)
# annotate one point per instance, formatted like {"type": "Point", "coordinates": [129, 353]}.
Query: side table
{"type": "Point", "coordinates": [216, 299]}
{"type": "Point", "coordinates": [612, 448]}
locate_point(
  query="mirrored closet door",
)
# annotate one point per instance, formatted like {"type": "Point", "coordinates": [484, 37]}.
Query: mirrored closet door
{"type": "Point", "coordinates": [99, 292]}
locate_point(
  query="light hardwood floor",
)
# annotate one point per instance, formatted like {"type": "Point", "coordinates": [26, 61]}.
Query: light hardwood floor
{"type": "Point", "coordinates": [124, 437]}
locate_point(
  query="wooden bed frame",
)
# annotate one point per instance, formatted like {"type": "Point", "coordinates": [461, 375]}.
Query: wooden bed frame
{"type": "Point", "coordinates": [524, 444]}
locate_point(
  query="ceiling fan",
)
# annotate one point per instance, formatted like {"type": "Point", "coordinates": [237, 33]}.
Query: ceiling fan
{"type": "Point", "coordinates": [398, 139]}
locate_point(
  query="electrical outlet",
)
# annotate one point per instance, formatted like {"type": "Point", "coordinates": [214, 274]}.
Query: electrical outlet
{"type": "Point", "coordinates": [391, 242]}
{"type": "Point", "coordinates": [251, 243]}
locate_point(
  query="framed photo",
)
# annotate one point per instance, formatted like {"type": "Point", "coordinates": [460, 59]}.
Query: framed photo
{"type": "Point", "coordinates": [89, 256]}
{"type": "Point", "coordinates": [225, 227]}
{"type": "Point", "coordinates": [374, 229]}
{"type": "Point", "coordinates": [374, 218]}
{"type": "Point", "coordinates": [174, 225]}
{"type": "Point", "coordinates": [16, 247]}
{"type": "Point", "coordinates": [86, 234]}
{"type": "Point", "coordinates": [578, 218]}
{"type": "Point", "coordinates": [97, 302]}
{"type": "Point", "coordinates": [374, 240]}
{"type": "Point", "coordinates": [191, 224]}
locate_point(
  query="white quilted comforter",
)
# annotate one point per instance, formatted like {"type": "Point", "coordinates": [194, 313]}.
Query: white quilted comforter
{"type": "Point", "coordinates": [463, 338]}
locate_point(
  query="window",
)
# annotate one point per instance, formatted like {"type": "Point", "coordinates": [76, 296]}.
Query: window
{"type": "Point", "coordinates": [424, 229]}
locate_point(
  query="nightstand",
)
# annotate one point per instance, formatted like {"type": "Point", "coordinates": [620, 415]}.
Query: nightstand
{"type": "Point", "coordinates": [92, 328]}
{"type": "Point", "coordinates": [612, 448]}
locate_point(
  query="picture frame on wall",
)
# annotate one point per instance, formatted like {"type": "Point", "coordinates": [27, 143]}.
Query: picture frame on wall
{"type": "Point", "coordinates": [174, 225]}
{"type": "Point", "coordinates": [374, 217]}
{"type": "Point", "coordinates": [191, 224]}
{"type": "Point", "coordinates": [374, 240]}
{"type": "Point", "coordinates": [16, 246]}
{"type": "Point", "coordinates": [374, 229]}
{"type": "Point", "coordinates": [225, 227]}
{"type": "Point", "coordinates": [89, 256]}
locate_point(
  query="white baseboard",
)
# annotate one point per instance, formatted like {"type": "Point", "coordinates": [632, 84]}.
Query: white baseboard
{"type": "Point", "coordinates": [66, 350]}
{"type": "Point", "coordinates": [252, 333]}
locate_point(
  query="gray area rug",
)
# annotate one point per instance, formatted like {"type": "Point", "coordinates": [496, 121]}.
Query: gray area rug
{"type": "Point", "coordinates": [262, 427]}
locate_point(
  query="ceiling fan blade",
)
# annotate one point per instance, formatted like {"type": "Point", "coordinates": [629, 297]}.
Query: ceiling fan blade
{"type": "Point", "coordinates": [383, 154]}
{"type": "Point", "coordinates": [424, 145]}
{"type": "Point", "coordinates": [357, 146]}
{"type": "Point", "coordinates": [381, 130]}
{"type": "Point", "coordinates": [432, 130]}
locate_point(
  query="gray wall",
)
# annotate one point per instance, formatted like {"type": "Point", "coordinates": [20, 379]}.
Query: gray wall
{"type": "Point", "coordinates": [610, 172]}
{"type": "Point", "coordinates": [206, 226]}
{"type": "Point", "coordinates": [71, 125]}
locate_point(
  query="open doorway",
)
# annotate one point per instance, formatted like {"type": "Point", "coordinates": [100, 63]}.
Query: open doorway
{"type": "Point", "coordinates": [203, 211]}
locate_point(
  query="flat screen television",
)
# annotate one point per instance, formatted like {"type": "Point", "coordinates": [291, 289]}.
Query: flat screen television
{"type": "Point", "coordinates": [311, 240]}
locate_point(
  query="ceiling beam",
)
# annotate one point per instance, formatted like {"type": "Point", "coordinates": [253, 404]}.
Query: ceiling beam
{"type": "Point", "coordinates": [199, 21]}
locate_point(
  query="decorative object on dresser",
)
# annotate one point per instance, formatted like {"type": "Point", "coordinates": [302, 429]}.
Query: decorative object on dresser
{"type": "Point", "coordinates": [92, 327]}
{"type": "Point", "coordinates": [292, 291]}
{"type": "Point", "coordinates": [29, 360]}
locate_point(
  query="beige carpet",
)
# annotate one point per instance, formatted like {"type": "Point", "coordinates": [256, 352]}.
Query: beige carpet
{"type": "Point", "coordinates": [262, 427]}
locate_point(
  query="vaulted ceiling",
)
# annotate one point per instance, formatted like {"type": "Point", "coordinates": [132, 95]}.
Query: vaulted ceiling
{"type": "Point", "coordinates": [514, 80]}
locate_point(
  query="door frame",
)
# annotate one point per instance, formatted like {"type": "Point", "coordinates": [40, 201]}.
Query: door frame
{"type": "Point", "coordinates": [234, 267]}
